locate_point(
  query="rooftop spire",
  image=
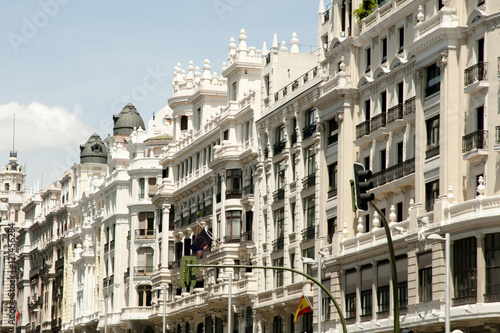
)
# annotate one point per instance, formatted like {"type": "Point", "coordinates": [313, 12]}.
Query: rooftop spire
{"type": "Point", "coordinates": [321, 7]}
{"type": "Point", "coordinates": [275, 42]}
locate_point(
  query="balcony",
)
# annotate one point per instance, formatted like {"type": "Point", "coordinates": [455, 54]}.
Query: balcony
{"type": "Point", "coordinates": [308, 233]}
{"type": "Point", "coordinates": [106, 248]}
{"type": "Point", "coordinates": [475, 73]}
{"type": "Point", "coordinates": [394, 172]}
{"type": "Point", "coordinates": [247, 190]}
{"type": "Point", "coordinates": [144, 234]}
{"type": "Point", "coordinates": [279, 195]}
{"type": "Point", "coordinates": [332, 193]}
{"type": "Point", "coordinates": [112, 245]}
{"type": "Point", "coordinates": [44, 271]}
{"type": "Point", "coordinates": [378, 121]}
{"type": "Point", "coordinates": [432, 151]}
{"type": "Point", "coordinates": [233, 194]}
{"type": "Point", "coordinates": [279, 244]}
{"type": "Point", "coordinates": [60, 263]}
{"type": "Point", "coordinates": [228, 239]}
{"type": "Point", "coordinates": [143, 270]}
{"type": "Point", "coordinates": [185, 220]}
{"type": "Point", "coordinates": [395, 113]}
{"type": "Point", "coordinates": [247, 236]}
{"type": "Point", "coordinates": [492, 297]}
{"type": "Point", "coordinates": [474, 140]}
{"type": "Point", "coordinates": [410, 106]}
{"type": "Point", "coordinates": [309, 181]}
{"type": "Point", "coordinates": [362, 129]}
{"type": "Point", "coordinates": [333, 138]}
{"type": "Point", "coordinates": [326, 15]}
{"type": "Point", "coordinates": [105, 282]}
{"type": "Point", "coordinates": [208, 210]}
{"type": "Point", "coordinates": [126, 274]}
{"type": "Point", "coordinates": [308, 131]}
{"type": "Point", "coordinates": [278, 147]}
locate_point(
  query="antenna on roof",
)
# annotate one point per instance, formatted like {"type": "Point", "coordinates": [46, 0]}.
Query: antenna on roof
{"type": "Point", "coordinates": [13, 153]}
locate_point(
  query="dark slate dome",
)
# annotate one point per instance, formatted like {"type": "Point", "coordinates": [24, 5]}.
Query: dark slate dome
{"type": "Point", "coordinates": [127, 120]}
{"type": "Point", "coordinates": [94, 151]}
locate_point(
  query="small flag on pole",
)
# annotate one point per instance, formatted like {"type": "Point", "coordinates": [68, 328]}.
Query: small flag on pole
{"type": "Point", "coordinates": [304, 307]}
{"type": "Point", "coordinates": [201, 242]}
{"type": "Point", "coordinates": [18, 315]}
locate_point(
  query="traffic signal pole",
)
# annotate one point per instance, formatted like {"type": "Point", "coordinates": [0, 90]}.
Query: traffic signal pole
{"type": "Point", "coordinates": [394, 274]}
{"type": "Point", "coordinates": [339, 310]}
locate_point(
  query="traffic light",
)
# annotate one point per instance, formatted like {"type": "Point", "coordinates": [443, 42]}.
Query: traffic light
{"type": "Point", "coordinates": [188, 274]}
{"type": "Point", "coordinates": [362, 185]}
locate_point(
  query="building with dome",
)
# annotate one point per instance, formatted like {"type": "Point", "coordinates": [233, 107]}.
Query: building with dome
{"type": "Point", "coordinates": [260, 157]}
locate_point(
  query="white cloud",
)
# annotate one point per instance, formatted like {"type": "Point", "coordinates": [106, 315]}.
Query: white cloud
{"type": "Point", "coordinates": [47, 139]}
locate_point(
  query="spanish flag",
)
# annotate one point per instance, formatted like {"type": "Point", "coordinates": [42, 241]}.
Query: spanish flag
{"type": "Point", "coordinates": [304, 307]}
{"type": "Point", "coordinates": [18, 314]}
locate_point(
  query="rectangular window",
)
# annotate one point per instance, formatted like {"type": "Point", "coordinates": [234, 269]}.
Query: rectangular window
{"type": "Point", "coordinates": [401, 93]}
{"type": "Point", "coordinates": [278, 274]}
{"type": "Point", "coordinates": [492, 263]}
{"type": "Point", "coordinates": [465, 271]}
{"type": "Point", "coordinates": [368, 59]}
{"type": "Point", "coordinates": [402, 274]}
{"type": "Point", "coordinates": [310, 160]}
{"type": "Point", "coordinates": [233, 224]}
{"type": "Point", "coordinates": [234, 95]}
{"type": "Point", "coordinates": [433, 80]}
{"type": "Point", "coordinates": [350, 293]}
{"type": "Point", "coordinates": [432, 126]}
{"type": "Point", "coordinates": [480, 118]}
{"type": "Point", "coordinates": [279, 223]}
{"type": "Point", "coordinates": [366, 292]}
{"type": "Point", "coordinates": [332, 226]}
{"type": "Point", "coordinates": [400, 151]}
{"type": "Point", "coordinates": [367, 110]}
{"type": "Point", "coordinates": [308, 253]}
{"type": "Point", "coordinates": [401, 32]}
{"type": "Point", "coordinates": [384, 50]}
{"type": "Point", "coordinates": [333, 127]}
{"type": "Point", "coordinates": [399, 212]}
{"type": "Point", "coordinates": [292, 265]}
{"type": "Point", "coordinates": [233, 183]}
{"type": "Point", "coordinates": [383, 102]}
{"type": "Point", "coordinates": [294, 160]}
{"type": "Point", "coordinates": [383, 279]}
{"type": "Point", "coordinates": [383, 156]}
{"type": "Point", "coordinates": [279, 174]}
{"type": "Point", "coordinates": [309, 207]}
{"type": "Point", "coordinates": [332, 180]}
{"type": "Point", "coordinates": [431, 194]}
{"type": "Point", "coordinates": [292, 214]}
{"type": "Point", "coordinates": [198, 118]}
{"type": "Point", "coordinates": [425, 276]}
{"type": "Point", "coordinates": [267, 85]}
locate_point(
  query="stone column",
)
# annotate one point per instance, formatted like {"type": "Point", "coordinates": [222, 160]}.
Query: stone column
{"type": "Point", "coordinates": [165, 237]}
{"type": "Point", "coordinates": [420, 137]}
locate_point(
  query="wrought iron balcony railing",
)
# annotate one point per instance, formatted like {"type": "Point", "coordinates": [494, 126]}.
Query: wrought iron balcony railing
{"type": "Point", "coordinates": [112, 245]}
{"type": "Point", "coordinates": [233, 194]}
{"type": "Point", "coordinates": [395, 113]}
{"type": "Point", "coordinates": [475, 140]}
{"type": "Point", "coordinates": [278, 147]}
{"type": "Point", "coordinates": [144, 233]}
{"type": "Point", "coordinates": [247, 236]}
{"type": "Point", "coordinates": [59, 263]}
{"type": "Point", "coordinates": [410, 106]}
{"type": "Point", "coordinates": [309, 181]}
{"type": "Point", "coordinates": [308, 131]}
{"type": "Point", "coordinates": [247, 189]}
{"type": "Point", "coordinates": [279, 195]}
{"type": "Point", "coordinates": [232, 239]}
{"type": "Point", "coordinates": [308, 233]}
{"type": "Point", "coordinates": [208, 210]}
{"type": "Point", "coordinates": [279, 244]}
{"type": "Point", "coordinates": [362, 129]}
{"type": "Point", "coordinates": [432, 151]}
{"type": "Point", "coordinates": [394, 172]}
{"type": "Point", "coordinates": [143, 270]}
{"type": "Point", "coordinates": [477, 72]}
{"type": "Point", "coordinates": [378, 121]}
{"type": "Point", "coordinates": [293, 138]}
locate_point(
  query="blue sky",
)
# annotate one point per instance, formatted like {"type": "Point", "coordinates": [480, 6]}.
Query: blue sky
{"type": "Point", "coordinates": [67, 66]}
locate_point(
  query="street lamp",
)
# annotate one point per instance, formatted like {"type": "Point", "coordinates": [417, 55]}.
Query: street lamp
{"type": "Point", "coordinates": [306, 260]}
{"type": "Point", "coordinates": [447, 265]}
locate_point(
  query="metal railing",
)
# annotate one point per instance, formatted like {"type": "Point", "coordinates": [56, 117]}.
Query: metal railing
{"type": "Point", "coordinates": [279, 195]}
{"type": "Point", "coordinates": [293, 138]}
{"type": "Point", "coordinates": [208, 210]}
{"type": "Point", "coordinates": [112, 245]}
{"type": "Point", "coordinates": [232, 239]}
{"type": "Point", "coordinates": [362, 129]}
{"type": "Point", "coordinates": [378, 121]}
{"type": "Point", "coordinates": [475, 140]}
{"type": "Point", "coordinates": [59, 263]}
{"type": "Point", "coordinates": [332, 193]}
{"type": "Point", "coordinates": [143, 270]}
{"type": "Point", "coordinates": [233, 194]}
{"type": "Point", "coordinates": [309, 181]}
{"type": "Point", "coordinates": [395, 113]}
{"type": "Point", "coordinates": [279, 244]}
{"type": "Point", "coordinates": [308, 131]}
{"type": "Point", "coordinates": [278, 147]}
{"type": "Point", "coordinates": [410, 106]}
{"type": "Point", "coordinates": [394, 172]}
{"type": "Point", "coordinates": [248, 189]}
{"type": "Point", "coordinates": [308, 233]}
{"type": "Point", "coordinates": [431, 152]}
{"type": "Point", "coordinates": [477, 72]}
{"type": "Point", "coordinates": [492, 297]}
{"type": "Point", "coordinates": [144, 233]}
{"type": "Point", "coordinates": [106, 248]}
{"type": "Point", "coordinates": [247, 236]}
